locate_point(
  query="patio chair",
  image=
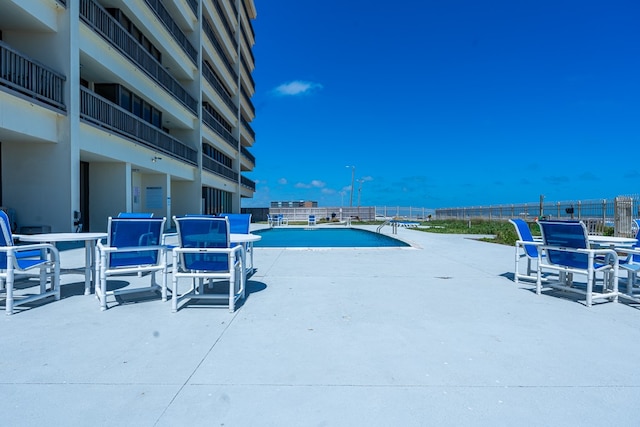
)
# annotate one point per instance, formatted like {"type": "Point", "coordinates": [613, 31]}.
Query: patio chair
{"type": "Point", "coordinates": [631, 264]}
{"type": "Point", "coordinates": [23, 261]}
{"type": "Point", "coordinates": [135, 215]}
{"type": "Point", "coordinates": [566, 246]}
{"type": "Point", "coordinates": [133, 247]}
{"type": "Point", "coordinates": [283, 220]}
{"type": "Point", "coordinates": [205, 252]}
{"type": "Point", "coordinates": [238, 223]}
{"type": "Point", "coordinates": [311, 220]}
{"type": "Point", "coordinates": [526, 246]}
{"type": "Point", "coordinates": [241, 224]}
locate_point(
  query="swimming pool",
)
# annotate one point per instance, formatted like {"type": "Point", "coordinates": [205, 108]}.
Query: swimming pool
{"type": "Point", "coordinates": [323, 238]}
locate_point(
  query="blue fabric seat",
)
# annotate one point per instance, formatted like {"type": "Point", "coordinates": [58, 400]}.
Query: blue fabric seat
{"type": "Point", "coordinates": [133, 246]}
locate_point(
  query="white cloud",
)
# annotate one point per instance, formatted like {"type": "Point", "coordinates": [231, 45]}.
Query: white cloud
{"type": "Point", "coordinates": [315, 183]}
{"type": "Point", "coordinates": [282, 181]}
{"type": "Point", "coordinates": [296, 87]}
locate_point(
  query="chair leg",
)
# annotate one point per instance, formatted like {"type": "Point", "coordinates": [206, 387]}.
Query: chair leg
{"type": "Point", "coordinates": [589, 289]}
{"type": "Point", "coordinates": [9, 286]}
{"type": "Point", "coordinates": [516, 270]}
{"type": "Point", "coordinates": [174, 294]}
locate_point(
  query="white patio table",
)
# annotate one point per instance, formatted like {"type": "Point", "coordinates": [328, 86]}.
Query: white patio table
{"type": "Point", "coordinates": [89, 240]}
{"type": "Point", "coordinates": [248, 239]}
{"type": "Point", "coordinates": [614, 242]}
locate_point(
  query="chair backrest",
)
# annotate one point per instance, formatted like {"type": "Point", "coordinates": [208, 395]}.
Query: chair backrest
{"type": "Point", "coordinates": [636, 257]}
{"type": "Point", "coordinates": [566, 234]}
{"type": "Point", "coordinates": [524, 234]}
{"type": "Point", "coordinates": [203, 232]}
{"type": "Point", "coordinates": [6, 239]}
{"type": "Point", "coordinates": [135, 215]}
{"type": "Point", "coordinates": [238, 223]}
{"type": "Point", "coordinates": [134, 232]}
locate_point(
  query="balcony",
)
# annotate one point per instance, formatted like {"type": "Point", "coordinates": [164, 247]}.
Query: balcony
{"type": "Point", "coordinates": [102, 113]}
{"type": "Point", "coordinates": [248, 128]}
{"type": "Point", "coordinates": [175, 31]}
{"type": "Point", "coordinates": [193, 4]}
{"type": "Point", "coordinates": [24, 75]}
{"type": "Point", "coordinates": [247, 99]}
{"type": "Point", "coordinates": [214, 125]}
{"type": "Point", "coordinates": [110, 30]}
{"type": "Point", "coordinates": [210, 76]}
{"type": "Point", "coordinates": [212, 166]}
{"type": "Point", "coordinates": [248, 155]}
{"type": "Point", "coordinates": [211, 35]}
{"type": "Point", "coordinates": [223, 18]}
{"type": "Point", "coordinates": [246, 182]}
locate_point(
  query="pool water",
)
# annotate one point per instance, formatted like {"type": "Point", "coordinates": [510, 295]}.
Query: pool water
{"type": "Point", "coordinates": [323, 238]}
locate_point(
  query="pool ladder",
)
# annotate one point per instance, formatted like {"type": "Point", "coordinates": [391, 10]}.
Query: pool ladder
{"type": "Point", "coordinates": [394, 226]}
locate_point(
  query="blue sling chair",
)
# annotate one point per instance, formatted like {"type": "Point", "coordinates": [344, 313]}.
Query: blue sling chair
{"type": "Point", "coordinates": [567, 251]}
{"type": "Point", "coordinates": [205, 252]}
{"type": "Point", "coordinates": [24, 261]}
{"type": "Point", "coordinates": [133, 247]}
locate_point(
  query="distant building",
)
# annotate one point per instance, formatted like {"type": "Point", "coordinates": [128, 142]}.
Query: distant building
{"type": "Point", "coordinates": [297, 204]}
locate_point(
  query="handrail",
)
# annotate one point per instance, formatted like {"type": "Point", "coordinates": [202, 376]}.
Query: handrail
{"type": "Point", "coordinates": [382, 225]}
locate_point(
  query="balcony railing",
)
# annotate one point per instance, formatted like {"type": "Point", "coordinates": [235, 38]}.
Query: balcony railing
{"type": "Point", "coordinates": [246, 13]}
{"type": "Point", "coordinates": [105, 25]}
{"type": "Point", "coordinates": [223, 18]}
{"type": "Point", "coordinates": [246, 42]}
{"type": "Point", "coordinates": [248, 128]}
{"type": "Point", "coordinates": [233, 6]}
{"type": "Point", "coordinates": [210, 76]}
{"type": "Point", "coordinates": [247, 99]}
{"type": "Point", "coordinates": [31, 78]}
{"type": "Point", "coordinates": [105, 114]}
{"type": "Point", "coordinates": [219, 169]}
{"type": "Point", "coordinates": [248, 155]}
{"type": "Point", "coordinates": [211, 35]}
{"type": "Point", "coordinates": [211, 122]}
{"type": "Point", "coordinates": [175, 31]}
{"type": "Point", "coordinates": [246, 182]}
{"type": "Point", "coordinates": [193, 4]}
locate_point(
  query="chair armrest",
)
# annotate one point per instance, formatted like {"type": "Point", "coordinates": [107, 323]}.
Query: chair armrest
{"type": "Point", "coordinates": [610, 254]}
{"type": "Point", "coordinates": [51, 249]}
{"type": "Point", "coordinates": [529, 242]}
{"type": "Point", "coordinates": [113, 249]}
{"type": "Point", "coordinates": [209, 250]}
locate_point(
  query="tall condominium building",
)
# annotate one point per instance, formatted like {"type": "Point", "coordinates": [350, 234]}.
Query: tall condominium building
{"type": "Point", "coordinates": [111, 106]}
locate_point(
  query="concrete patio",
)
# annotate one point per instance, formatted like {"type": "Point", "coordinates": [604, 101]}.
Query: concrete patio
{"type": "Point", "coordinates": [436, 334]}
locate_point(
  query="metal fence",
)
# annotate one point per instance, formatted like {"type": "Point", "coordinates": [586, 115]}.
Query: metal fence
{"type": "Point", "coordinates": [617, 213]}
{"type": "Point", "coordinates": [362, 213]}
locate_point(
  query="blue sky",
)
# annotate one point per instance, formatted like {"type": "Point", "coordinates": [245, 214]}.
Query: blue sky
{"type": "Point", "coordinates": [446, 103]}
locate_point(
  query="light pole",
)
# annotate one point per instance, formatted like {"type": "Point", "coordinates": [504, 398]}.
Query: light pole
{"type": "Point", "coordinates": [360, 181]}
{"type": "Point", "coordinates": [353, 177]}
